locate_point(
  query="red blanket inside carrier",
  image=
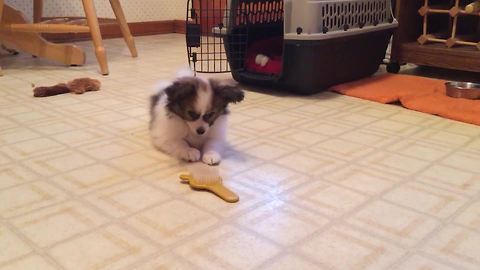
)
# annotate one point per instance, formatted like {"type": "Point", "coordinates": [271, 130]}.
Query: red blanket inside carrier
{"type": "Point", "coordinates": [265, 56]}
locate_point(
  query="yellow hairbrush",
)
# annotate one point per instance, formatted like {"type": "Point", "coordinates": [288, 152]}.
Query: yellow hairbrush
{"type": "Point", "coordinates": [205, 177]}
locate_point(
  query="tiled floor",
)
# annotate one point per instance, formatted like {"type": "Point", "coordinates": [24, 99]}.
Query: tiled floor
{"type": "Point", "coordinates": [325, 182]}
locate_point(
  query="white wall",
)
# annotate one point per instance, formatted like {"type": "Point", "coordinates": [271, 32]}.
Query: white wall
{"type": "Point", "coordinates": [135, 10]}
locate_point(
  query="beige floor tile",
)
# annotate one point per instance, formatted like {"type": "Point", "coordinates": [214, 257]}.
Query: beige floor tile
{"type": "Point", "coordinates": [126, 126]}
{"type": "Point", "coordinates": [371, 138]}
{"type": "Point", "coordinates": [11, 246]}
{"type": "Point", "coordinates": [259, 126]}
{"type": "Point", "coordinates": [474, 146]}
{"type": "Point", "coordinates": [326, 127]}
{"type": "Point", "coordinates": [108, 248]}
{"type": "Point", "coordinates": [28, 197]}
{"type": "Point", "coordinates": [228, 248]}
{"type": "Point", "coordinates": [276, 218]}
{"type": "Point", "coordinates": [287, 118]}
{"type": "Point", "coordinates": [452, 179]}
{"type": "Point", "coordinates": [363, 179]}
{"type": "Point", "coordinates": [375, 111]}
{"type": "Point", "coordinates": [309, 162]}
{"type": "Point", "coordinates": [51, 225]}
{"type": "Point", "coordinates": [138, 163]}
{"type": "Point", "coordinates": [31, 148]}
{"type": "Point", "coordinates": [16, 135]}
{"type": "Point", "coordinates": [7, 123]}
{"type": "Point", "coordinates": [458, 128]}
{"type": "Point", "coordinates": [342, 149]}
{"type": "Point", "coordinates": [299, 138]}
{"type": "Point", "coordinates": [80, 137]}
{"type": "Point", "coordinates": [127, 198]}
{"type": "Point", "coordinates": [391, 127]}
{"type": "Point", "coordinates": [441, 137]}
{"type": "Point", "coordinates": [30, 117]}
{"type": "Point", "coordinates": [265, 149]}
{"type": "Point", "coordinates": [393, 222]}
{"type": "Point", "coordinates": [271, 178]}
{"type": "Point", "coordinates": [292, 262]}
{"type": "Point", "coordinates": [167, 261]}
{"type": "Point", "coordinates": [88, 178]}
{"type": "Point", "coordinates": [417, 262]}
{"type": "Point", "coordinates": [14, 174]}
{"type": "Point", "coordinates": [326, 198]}
{"type": "Point", "coordinates": [343, 248]}
{"type": "Point", "coordinates": [353, 119]}
{"type": "Point", "coordinates": [109, 149]}
{"type": "Point", "coordinates": [426, 199]}
{"type": "Point", "coordinates": [56, 126]}
{"type": "Point", "coordinates": [235, 162]}
{"type": "Point", "coordinates": [172, 221]}
{"type": "Point", "coordinates": [413, 117]}
{"type": "Point", "coordinates": [470, 217]}
{"type": "Point", "coordinates": [32, 262]}
{"type": "Point", "coordinates": [456, 245]}
{"type": "Point", "coordinates": [59, 162]}
{"type": "Point", "coordinates": [420, 150]}
{"type": "Point", "coordinates": [463, 161]}
{"type": "Point", "coordinates": [4, 159]}
{"type": "Point", "coordinates": [167, 179]}
{"type": "Point", "coordinates": [394, 163]}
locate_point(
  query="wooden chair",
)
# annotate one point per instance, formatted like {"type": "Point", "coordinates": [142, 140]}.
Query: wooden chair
{"type": "Point", "coordinates": [15, 31]}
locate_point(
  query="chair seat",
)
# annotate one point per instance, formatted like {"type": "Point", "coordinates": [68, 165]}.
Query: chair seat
{"type": "Point", "coordinates": [15, 31]}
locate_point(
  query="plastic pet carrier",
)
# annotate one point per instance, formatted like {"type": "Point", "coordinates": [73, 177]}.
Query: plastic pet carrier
{"type": "Point", "coordinates": [304, 46]}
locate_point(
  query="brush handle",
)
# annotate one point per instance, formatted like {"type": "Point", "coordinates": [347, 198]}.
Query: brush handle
{"type": "Point", "coordinates": [184, 176]}
{"type": "Point", "coordinates": [473, 7]}
{"type": "Point", "coordinates": [223, 192]}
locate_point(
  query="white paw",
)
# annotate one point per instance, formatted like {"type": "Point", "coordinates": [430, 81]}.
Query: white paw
{"type": "Point", "coordinates": [211, 158]}
{"type": "Point", "coordinates": [192, 154]}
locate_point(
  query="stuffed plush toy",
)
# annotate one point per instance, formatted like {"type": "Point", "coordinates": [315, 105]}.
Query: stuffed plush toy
{"type": "Point", "coordinates": [77, 86]}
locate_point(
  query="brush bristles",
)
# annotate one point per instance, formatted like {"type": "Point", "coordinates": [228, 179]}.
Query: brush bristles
{"type": "Point", "coordinates": [204, 174]}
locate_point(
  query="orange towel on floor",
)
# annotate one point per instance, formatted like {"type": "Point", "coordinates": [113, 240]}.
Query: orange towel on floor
{"type": "Point", "coordinates": [416, 93]}
{"type": "Point", "coordinates": [388, 88]}
{"type": "Point", "coordinates": [465, 110]}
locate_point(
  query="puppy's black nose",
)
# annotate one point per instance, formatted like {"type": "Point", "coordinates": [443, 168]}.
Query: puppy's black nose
{"type": "Point", "coordinates": [200, 130]}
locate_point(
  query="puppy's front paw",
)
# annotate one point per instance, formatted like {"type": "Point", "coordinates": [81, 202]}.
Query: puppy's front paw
{"type": "Point", "coordinates": [192, 154]}
{"type": "Point", "coordinates": [211, 158]}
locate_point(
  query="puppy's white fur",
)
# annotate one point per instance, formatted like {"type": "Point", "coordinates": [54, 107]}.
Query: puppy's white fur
{"type": "Point", "coordinates": [175, 136]}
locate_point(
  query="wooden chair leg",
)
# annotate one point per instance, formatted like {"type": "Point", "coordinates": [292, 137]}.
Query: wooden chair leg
{"type": "Point", "coordinates": [117, 9]}
{"type": "Point", "coordinates": [37, 11]}
{"type": "Point", "coordinates": [92, 21]}
{"type": "Point", "coordinates": [1, 10]}
{"type": "Point", "coordinates": [1, 14]}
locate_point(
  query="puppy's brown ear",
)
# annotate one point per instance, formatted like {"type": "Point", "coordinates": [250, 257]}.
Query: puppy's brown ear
{"type": "Point", "coordinates": [179, 90]}
{"type": "Point", "coordinates": [229, 92]}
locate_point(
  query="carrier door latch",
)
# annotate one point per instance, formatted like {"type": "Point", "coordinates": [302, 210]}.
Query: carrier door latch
{"type": "Point", "coordinates": [193, 30]}
{"type": "Point", "coordinates": [193, 35]}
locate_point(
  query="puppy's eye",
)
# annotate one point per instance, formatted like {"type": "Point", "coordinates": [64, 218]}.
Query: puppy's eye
{"type": "Point", "coordinates": [193, 115]}
{"type": "Point", "coordinates": [208, 116]}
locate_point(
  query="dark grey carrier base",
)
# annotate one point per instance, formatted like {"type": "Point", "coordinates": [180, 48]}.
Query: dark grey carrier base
{"type": "Point", "coordinates": [313, 66]}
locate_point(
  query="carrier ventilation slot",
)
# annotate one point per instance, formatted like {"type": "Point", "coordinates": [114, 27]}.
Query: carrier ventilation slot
{"type": "Point", "coordinates": [353, 14]}
{"type": "Point", "coordinates": [248, 13]}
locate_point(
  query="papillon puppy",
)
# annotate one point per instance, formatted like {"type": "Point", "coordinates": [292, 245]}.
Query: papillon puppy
{"type": "Point", "coordinates": [189, 117]}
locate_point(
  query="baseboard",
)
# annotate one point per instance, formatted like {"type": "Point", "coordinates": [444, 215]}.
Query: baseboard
{"type": "Point", "coordinates": [179, 26]}
{"type": "Point", "coordinates": [110, 29]}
